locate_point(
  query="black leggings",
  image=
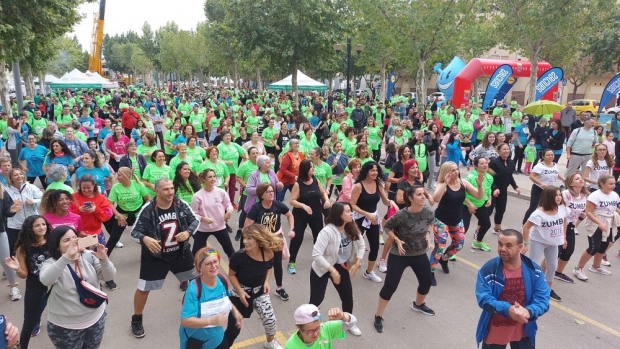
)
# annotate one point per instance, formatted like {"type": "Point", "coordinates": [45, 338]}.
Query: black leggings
{"type": "Point", "coordinates": [35, 301]}
{"type": "Point", "coordinates": [376, 155]}
{"type": "Point", "coordinates": [373, 238]}
{"type": "Point", "coordinates": [43, 183]}
{"type": "Point", "coordinates": [116, 231]}
{"type": "Point", "coordinates": [484, 221]}
{"type": "Point", "coordinates": [344, 288]}
{"type": "Point", "coordinates": [200, 241]}
{"type": "Point", "coordinates": [518, 157]}
{"type": "Point", "coordinates": [12, 235]}
{"type": "Point", "coordinates": [277, 267]}
{"type": "Point", "coordinates": [396, 266]}
{"type": "Point", "coordinates": [566, 253]}
{"type": "Point", "coordinates": [596, 243]}
{"type": "Point", "coordinates": [302, 219]}
{"type": "Point", "coordinates": [331, 189]}
{"type": "Point", "coordinates": [534, 199]}
{"type": "Point", "coordinates": [499, 203]}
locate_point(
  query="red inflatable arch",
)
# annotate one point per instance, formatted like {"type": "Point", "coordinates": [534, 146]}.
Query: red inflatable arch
{"type": "Point", "coordinates": [477, 67]}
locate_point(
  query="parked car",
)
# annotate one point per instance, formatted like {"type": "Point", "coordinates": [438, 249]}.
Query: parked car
{"type": "Point", "coordinates": [587, 105]}
{"type": "Point", "coordinates": [438, 96]}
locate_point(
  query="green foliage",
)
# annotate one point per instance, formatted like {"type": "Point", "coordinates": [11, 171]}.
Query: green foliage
{"type": "Point", "coordinates": [69, 55]}
{"type": "Point", "coordinates": [604, 43]}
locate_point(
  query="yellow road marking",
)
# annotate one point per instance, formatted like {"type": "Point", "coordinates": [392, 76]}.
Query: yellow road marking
{"type": "Point", "coordinates": [259, 340]}
{"type": "Point", "coordinates": [561, 307]}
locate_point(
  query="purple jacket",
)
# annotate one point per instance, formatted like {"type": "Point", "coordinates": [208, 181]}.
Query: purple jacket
{"type": "Point", "coordinates": [252, 184]}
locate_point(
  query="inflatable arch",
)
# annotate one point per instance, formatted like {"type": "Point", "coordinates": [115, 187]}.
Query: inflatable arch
{"type": "Point", "coordinates": [477, 67]}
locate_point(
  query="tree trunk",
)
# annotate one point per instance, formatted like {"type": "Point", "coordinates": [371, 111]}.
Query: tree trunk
{"type": "Point", "coordinates": [28, 80]}
{"type": "Point", "coordinates": [209, 77]}
{"type": "Point", "coordinates": [42, 83]}
{"type": "Point", "coordinates": [531, 94]}
{"type": "Point", "coordinates": [236, 75]}
{"type": "Point", "coordinates": [420, 81]}
{"type": "Point", "coordinates": [575, 87]}
{"type": "Point", "coordinates": [331, 83]}
{"type": "Point", "coordinates": [383, 78]}
{"type": "Point", "coordinates": [4, 85]}
{"type": "Point", "coordinates": [294, 80]}
{"type": "Point", "coordinates": [201, 79]}
{"type": "Point", "coordinates": [259, 80]}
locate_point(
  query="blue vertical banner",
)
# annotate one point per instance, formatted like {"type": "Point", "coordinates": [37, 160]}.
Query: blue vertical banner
{"type": "Point", "coordinates": [547, 81]}
{"type": "Point", "coordinates": [496, 82]}
{"type": "Point", "coordinates": [610, 91]}
{"type": "Point", "coordinates": [390, 86]}
{"type": "Point", "coordinates": [506, 88]}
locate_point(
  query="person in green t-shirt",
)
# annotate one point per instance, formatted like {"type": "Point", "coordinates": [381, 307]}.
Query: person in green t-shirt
{"type": "Point", "coordinates": [197, 120]}
{"type": "Point", "coordinates": [222, 176]}
{"type": "Point", "coordinates": [375, 134]}
{"type": "Point", "coordinates": [38, 124]}
{"type": "Point", "coordinates": [155, 171]}
{"type": "Point", "coordinates": [267, 137]}
{"type": "Point", "coordinates": [185, 182]}
{"type": "Point", "coordinates": [311, 333]}
{"type": "Point", "coordinates": [498, 110]}
{"type": "Point", "coordinates": [194, 151]}
{"type": "Point", "coordinates": [230, 152]}
{"type": "Point", "coordinates": [147, 147]}
{"type": "Point", "coordinates": [181, 157]}
{"type": "Point", "coordinates": [322, 171]}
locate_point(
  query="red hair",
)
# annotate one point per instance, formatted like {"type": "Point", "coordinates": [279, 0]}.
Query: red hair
{"type": "Point", "coordinates": [406, 167]}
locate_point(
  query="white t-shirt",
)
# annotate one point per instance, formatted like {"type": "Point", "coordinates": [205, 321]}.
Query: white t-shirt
{"type": "Point", "coordinates": [605, 204]}
{"type": "Point", "coordinates": [548, 229]}
{"type": "Point", "coordinates": [596, 171]}
{"type": "Point", "coordinates": [575, 204]}
{"type": "Point", "coordinates": [547, 175]}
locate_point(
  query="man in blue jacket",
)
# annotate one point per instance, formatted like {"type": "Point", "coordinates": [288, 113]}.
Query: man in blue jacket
{"type": "Point", "coordinates": [512, 292]}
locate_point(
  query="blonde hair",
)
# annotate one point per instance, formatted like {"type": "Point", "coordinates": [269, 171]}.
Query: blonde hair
{"type": "Point", "coordinates": [443, 171]}
{"type": "Point", "coordinates": [265, 239]}
{"type": "Point", "coordinates": [129, 173]}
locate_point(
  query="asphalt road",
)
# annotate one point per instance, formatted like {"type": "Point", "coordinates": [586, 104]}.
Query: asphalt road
{"type": "Point", "coordinates": [587, 317]}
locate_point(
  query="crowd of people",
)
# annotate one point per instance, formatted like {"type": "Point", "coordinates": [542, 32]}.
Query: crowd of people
{"type": "Point", "coordinates": [175, 166]}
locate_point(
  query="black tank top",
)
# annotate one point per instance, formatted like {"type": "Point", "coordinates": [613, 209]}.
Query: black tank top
{"type": "Point", "coordinates": [310, 195]}
{"type": "Point", "coordinates": [448, 210]}
{"type": "Point", "coordinates": [368, 202]}
{"type": "Point", "coordinates": [35, 258]}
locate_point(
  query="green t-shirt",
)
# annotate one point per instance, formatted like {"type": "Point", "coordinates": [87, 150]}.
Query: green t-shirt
{"type": "Point", "coordinates": [59, 186]}
{"type": "Point", "coordinates": [374, 139]}
{"type": "Point", "coordinates": [197, 120]}
{"type": "Point", "coordinates": [3, 126]}
{"type": "Point", "coordinates": [245, 170]}
{"type": "Point", "coordinates": [487, 182]}
{"type": "Point", "coordinates": [516, 117]}
{"type": "Point", "coordinates": [184, 194]}
{"type": "Point", "coordinates": [513, 104]}
{"type": "Point", "coordinates": [349, 147]}
{"type": "Point", "coordinates": [268, 136]}
{"type": "Point", "coordinates": [38, 126]}
{"type": "Point", "coordinates": [170, 136]}
{"type": "Point", "coordinates": [136, 166]}
{"type": "Point", "coordinates": [197, 154]}
{"type": "Point", "coordinates": [128, 198]}
{"type": "Point", "coordinates": [322, 173]}
{"type": "Point", "coordinates": [64, 119]}
{"type": "Point", "coordinates": [175, 161]}
{"type": "Point", "coordinates": [252, 122]}
{"type": "Point", "coordinates": [153, 172]}
{"type": "Point", "coordinates": [146, 152]}
{"type": "Point", "coordinates": [329, 330]}
{"type": "Point", "coordinates": [139, 110]}
{"type": "Point", "coordinates": [221, 171]}
{"type": "Point", "coordinates": [498, 111]}
{"type": "Point", "coordinates": [231, 152]}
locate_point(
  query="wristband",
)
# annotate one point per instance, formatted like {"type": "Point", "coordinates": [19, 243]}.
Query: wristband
{"type": "Point", "coordinates": [526, 243]}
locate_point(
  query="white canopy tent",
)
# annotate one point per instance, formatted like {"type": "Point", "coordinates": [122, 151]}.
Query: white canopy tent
{"type": "Point", "coordinates": [77, 79]}
{"type": "Point", "coordinates": [106, 83]}
{"type": "Point", "coordinates": [304, 83]}
{"type": "Point", "coordinates": [49, 79]}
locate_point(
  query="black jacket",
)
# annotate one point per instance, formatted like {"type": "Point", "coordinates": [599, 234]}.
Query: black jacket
{"type": "Point", "coordinates": [503, 173]}
{"type": "Point", "coordinates": [540, 135]}
{"type": "Point", "coordinates": [555, 142]}
{"type": "Point", "coordinates": [126, 162]}
{"type": "Point", "coordinates": [5, 209]}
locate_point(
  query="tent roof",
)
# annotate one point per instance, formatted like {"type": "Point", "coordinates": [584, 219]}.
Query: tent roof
{"type": "Point", "coordinates": [77, 79]}
{"type": "Point", "coordinates": [49, 79]}
{"type": "Point", "coordinates": [304, 83]}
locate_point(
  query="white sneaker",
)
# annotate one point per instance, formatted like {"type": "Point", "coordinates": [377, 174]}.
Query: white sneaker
{"type": "Point", "coordinates": [382, 265]}
{"type": "Point", "coordinates": [15, 295]}
{"type": "Point", "coordinates": [381, 242]}
{"type": "Point", "coordinates": [355, 331]}
{"type": "Point", "coordinates": [137, 241]}
{"type": "Point", "coordinates": [578, 272]}
{"type": "Point", "coordinates": [119, 245]}
{"type": "Point", "coordinates": [599, 270]}
{"type": "Point", "coordinates": [372, 276]}
{"type": "Point", "coordinates": [272, 345]}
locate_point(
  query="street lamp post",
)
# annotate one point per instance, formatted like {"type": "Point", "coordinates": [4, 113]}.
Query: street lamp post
{"type": "Point", "coordinates": [338, 48]}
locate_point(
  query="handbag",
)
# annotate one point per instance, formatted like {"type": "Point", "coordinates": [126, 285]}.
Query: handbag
{"type": "Point", "coordinates": [89, 295]}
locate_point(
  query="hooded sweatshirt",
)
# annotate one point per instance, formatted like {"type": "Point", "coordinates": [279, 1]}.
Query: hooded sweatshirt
{"type": "Point", "coordinates": [333, 247]}
{"type": "Point", "coordinates": [212, 204]}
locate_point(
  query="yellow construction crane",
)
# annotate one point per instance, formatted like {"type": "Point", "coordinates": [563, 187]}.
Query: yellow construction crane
{"type": "Point", "coordinates": [94, 63]}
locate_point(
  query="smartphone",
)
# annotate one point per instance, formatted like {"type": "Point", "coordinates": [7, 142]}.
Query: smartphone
{"type": "Point", "coordinates": [88, 204]}
{"type": "Point", "coordinates": [87, 241]}
{"type": "Point", "coordinates": [3, 342]}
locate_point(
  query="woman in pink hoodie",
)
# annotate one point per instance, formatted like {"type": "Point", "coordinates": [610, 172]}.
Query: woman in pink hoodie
{"type": "Point", "coordinates": [347, 183]}
{"type": "Point", "coordinates": [213, 208]}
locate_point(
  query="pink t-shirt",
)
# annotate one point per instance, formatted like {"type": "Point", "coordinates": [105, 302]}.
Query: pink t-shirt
{"type": "Point", "coordinates": [117, 147]}
{"type": "Point", "coordinates": [212, 204]}
{"type": "Point", "coordinates": [72, 220]}
{"type": "Point", "coordinates": [503, 330]}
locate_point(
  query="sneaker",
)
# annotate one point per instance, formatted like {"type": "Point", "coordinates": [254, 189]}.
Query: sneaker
{"type": "Point", "coordinates": [497, 231]}
{"type": "Point", "coordinates": [381, 242]}
{"type": "Point", "coordinates": [137, 241]}
{"type": "Point", "coordinates": [119, 245]}
{"type": "Point", "coordinates": [372, 276]}
{"type": "Point", "coordinates": [355, 331]}
{"type": "Point", "coordinates": [422, 308]}
{"type": "Point", "coordinates": [272, 345]}
{"type": "Point", "coordinates": [282, 293]}
{"type": "Point", "coordinates": [578, 272]}
{"type": "Point", "coordinates": [36, 330]}
{"type": "Point", "coordinates": [618, 254]}
{"type": "Point", "coordinates": [183, 285]}
{"type": "Point", "coordinates": [228, 229]}
{"type": "Point", "coordinates": [136, 326]}
{"type": "Point", "coordinates": [238, 236]}
{"type": "Point", "coordinates": [15, 295]}
{"type": "Point", "coordinates": [235, 207]}
{"type": "Point", "coordinates": [433, 280]}
{"type": "Point", "coordinates": [378, 324]}
{"type": "Point", "coordinates": [480, 246]}
{"type": "Point", "coordinates": [291, 268]}
{"type": "Point", "coordinates": [605, 262]}
{"type": "Point", "coordinates": [554, 296]}
{"type": "Point", "coordinates": [111, 285]}
{"type": "Point", "coordinates": [382, 265]}
{"type": "Point", "coordinates": [452, 258]}
{"type": "Point", "coordinates": [444, 265]}
{"type": "Point", "coordinates": [563, 277]}
{"type": "Point", "coordinates": [599, 270]}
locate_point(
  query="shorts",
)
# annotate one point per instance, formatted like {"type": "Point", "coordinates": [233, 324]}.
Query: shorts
{"type": "Point", "coordinates": [153, 271]}
{"type": "Point", "coordinates": [596, 243]}
{"type": "Point", "coordinates": [270, 150]}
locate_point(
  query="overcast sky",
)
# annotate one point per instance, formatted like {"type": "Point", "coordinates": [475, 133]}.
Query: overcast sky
{"type": "Point", "coordinates": [124, 15]}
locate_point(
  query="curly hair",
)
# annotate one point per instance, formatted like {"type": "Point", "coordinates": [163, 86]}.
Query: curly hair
{"type": "Point", "coordinates": [50, 199]}
{"type": "Point", "coordinates": [264, 238]}
{"type": "Point", "coordinates": [178, 182]}
{"type": "Point", "coordinates": [27, 238]}
{"type": "Point", "coordinates": [64, 147]}
{"type": "Point", "coordinates": [366, 169]}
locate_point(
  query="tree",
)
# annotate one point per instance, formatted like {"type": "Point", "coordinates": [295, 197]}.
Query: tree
{"type": "Point", "coordinates": [578, 71]}
{"type": "Point", "coordinates": [69, 55]}
{"type": "Point", "coordinates": [604, 41]}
